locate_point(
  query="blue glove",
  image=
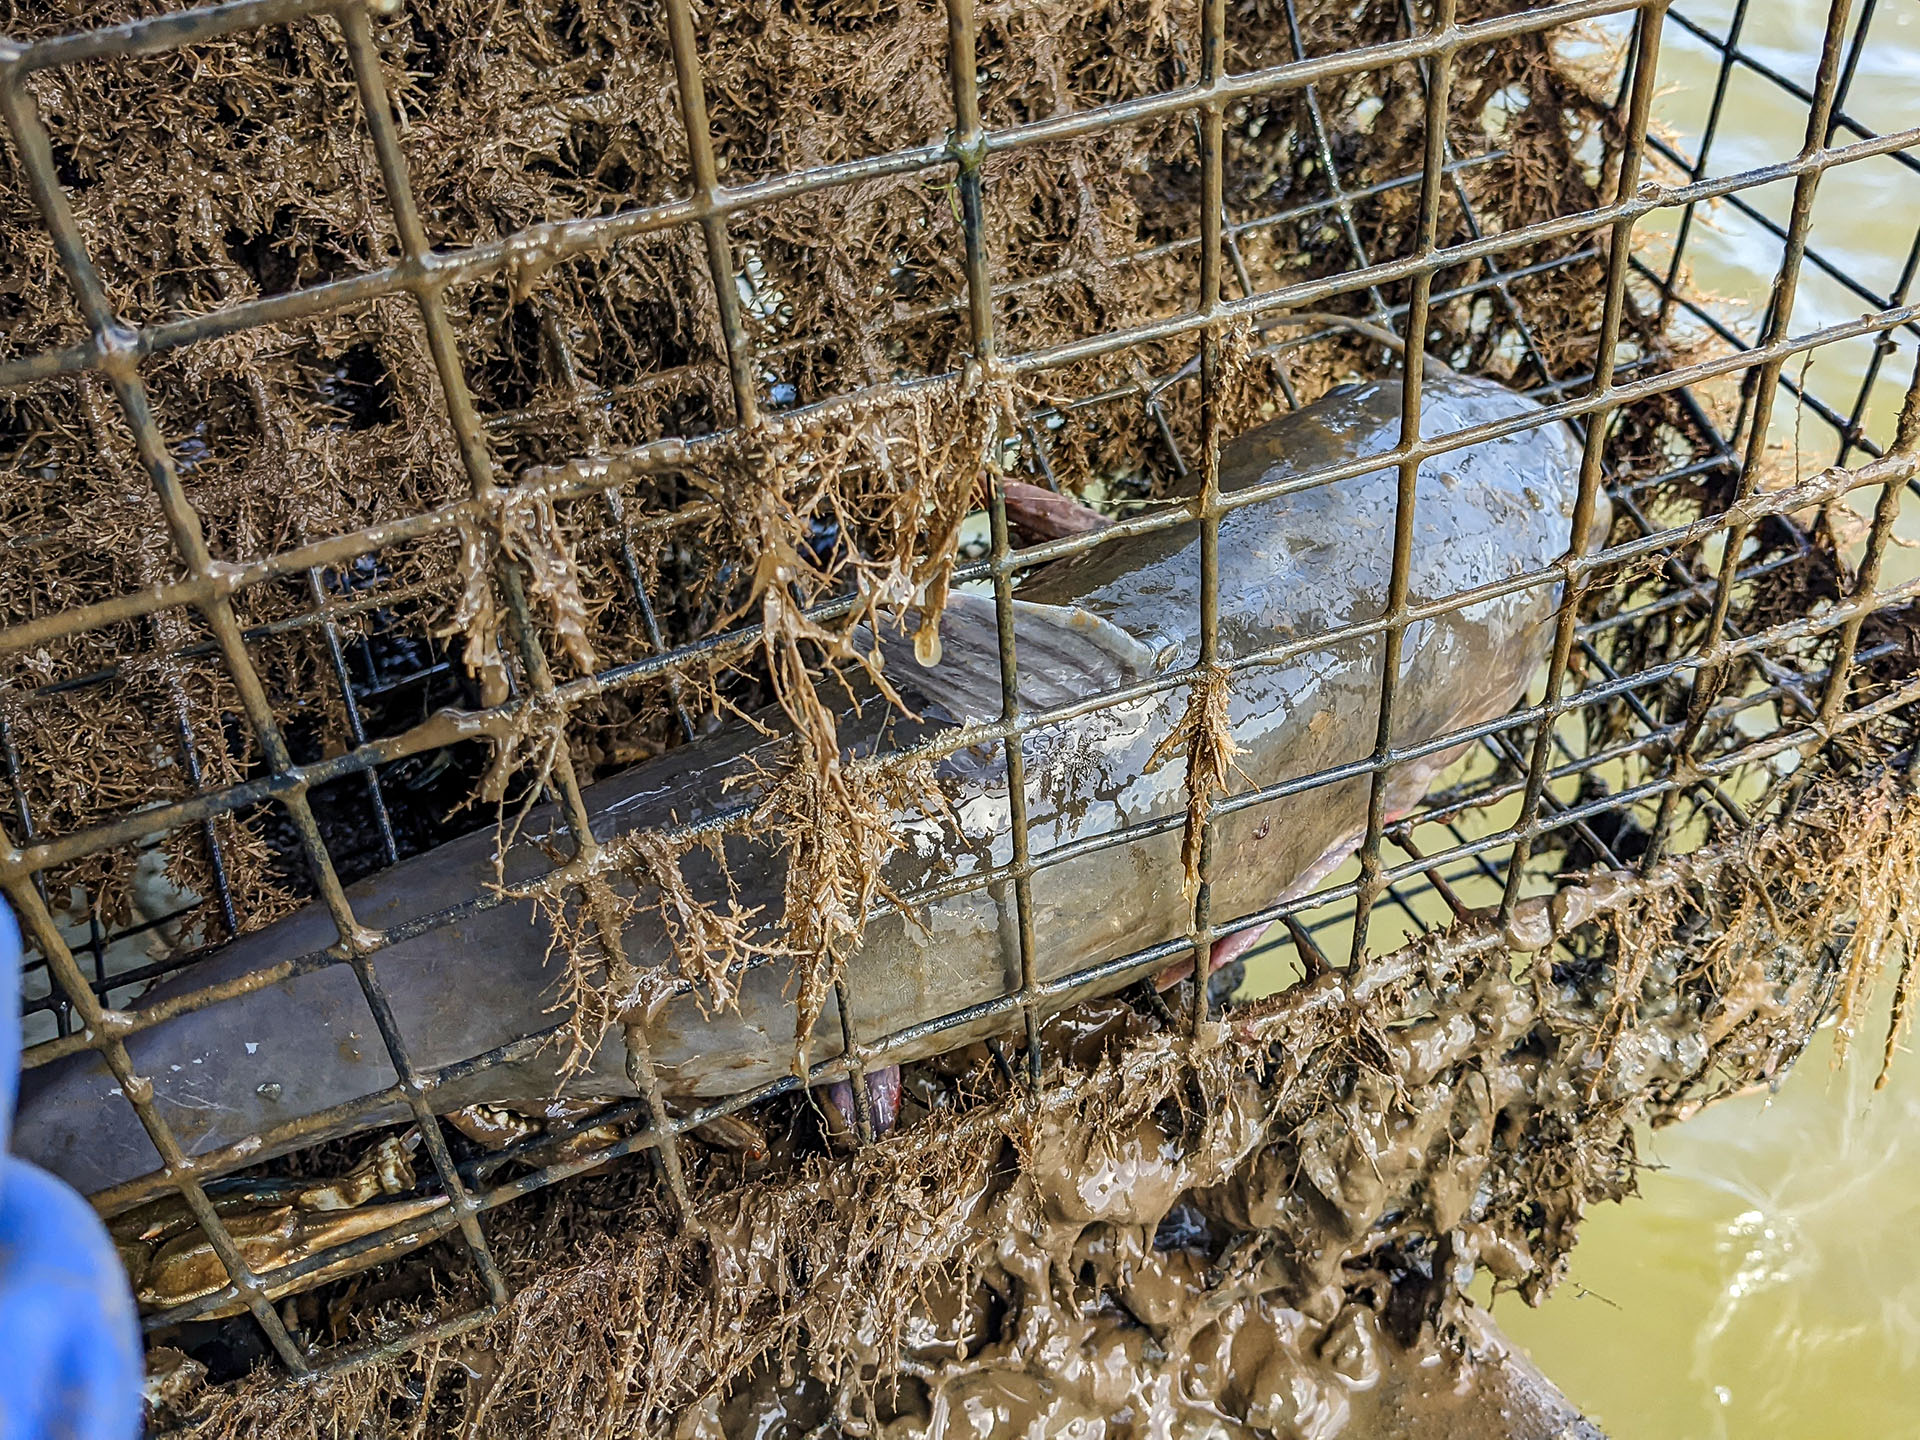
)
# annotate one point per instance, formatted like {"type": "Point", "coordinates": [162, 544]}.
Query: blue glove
{"type": "Point", "coordinates": [70, 1366]}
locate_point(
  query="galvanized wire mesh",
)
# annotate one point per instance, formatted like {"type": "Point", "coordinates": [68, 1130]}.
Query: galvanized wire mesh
{"type": "Point", "coordinates": [1536, 791]}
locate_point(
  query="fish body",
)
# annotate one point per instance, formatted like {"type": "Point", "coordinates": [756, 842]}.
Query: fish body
{"type": "Point", "coordinates": [1291, 568]}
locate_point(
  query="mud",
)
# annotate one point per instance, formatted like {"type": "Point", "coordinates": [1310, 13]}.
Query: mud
{"type": "Point", "coordinates": [1265, 1230]}
{"type": "Point", "coordinates": [1117, 1381]}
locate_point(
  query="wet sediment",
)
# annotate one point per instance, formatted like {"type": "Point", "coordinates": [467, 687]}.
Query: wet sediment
{"type": "Point", "coordinates": [1267, 1229]}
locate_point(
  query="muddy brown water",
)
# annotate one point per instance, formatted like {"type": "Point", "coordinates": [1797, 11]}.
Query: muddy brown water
{"type": "Point", "coordinates": [1767, 1280]}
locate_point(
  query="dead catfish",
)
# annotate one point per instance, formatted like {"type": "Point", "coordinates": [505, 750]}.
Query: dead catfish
{"type": "Point", "coordinates": [1291, 568]}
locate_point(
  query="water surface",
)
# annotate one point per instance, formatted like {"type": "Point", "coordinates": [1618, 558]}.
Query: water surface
{"type": "Point", "coordinates": [1767, 1281]}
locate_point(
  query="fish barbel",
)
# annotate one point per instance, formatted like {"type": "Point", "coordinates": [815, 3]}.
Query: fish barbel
{"type": "Point", "coordinates": [1308, 562]}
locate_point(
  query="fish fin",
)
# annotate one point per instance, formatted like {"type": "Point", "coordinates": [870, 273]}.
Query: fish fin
{"type": "Point", "coordinates": [1065, 653]}
{"type": "Point", "coordinates": [1048, 514]}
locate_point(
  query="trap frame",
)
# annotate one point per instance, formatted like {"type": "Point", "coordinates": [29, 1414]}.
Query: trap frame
{"type": "Point", "coordinates": [1810, 674]}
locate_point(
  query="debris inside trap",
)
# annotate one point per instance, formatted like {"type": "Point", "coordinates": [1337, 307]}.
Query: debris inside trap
{"type": "Point", "coordinates": [1270, 1231]}
{"type": "Point", "coordinates": [237, 171]}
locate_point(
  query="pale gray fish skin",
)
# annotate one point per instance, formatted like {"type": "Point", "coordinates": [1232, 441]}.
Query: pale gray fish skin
{"type": "Point", "coordinates": [1290, 568]}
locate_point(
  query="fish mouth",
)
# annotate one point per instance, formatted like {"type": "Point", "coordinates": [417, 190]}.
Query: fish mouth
{"type": "Point", "coordinates": [1230, 947]}
{"type": "Point", "coordinates": [1226, 950]}
{"type": "Point", "coordinates": [840, 1110]}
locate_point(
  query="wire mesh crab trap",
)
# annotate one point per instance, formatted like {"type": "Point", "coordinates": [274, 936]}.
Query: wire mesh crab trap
{"type": "Point", "coordinates": [460, 458]}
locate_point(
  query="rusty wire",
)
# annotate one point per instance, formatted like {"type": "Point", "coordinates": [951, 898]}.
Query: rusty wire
{"type": "Point", "coordinates": [116, 350]}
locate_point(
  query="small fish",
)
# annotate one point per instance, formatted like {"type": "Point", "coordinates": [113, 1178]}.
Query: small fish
{"type": "Point", "coordinates": [1291, 568]}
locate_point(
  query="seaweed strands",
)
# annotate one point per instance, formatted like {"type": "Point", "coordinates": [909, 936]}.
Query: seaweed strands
{"type": "Point", "coordinates": [1234, 1227]}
